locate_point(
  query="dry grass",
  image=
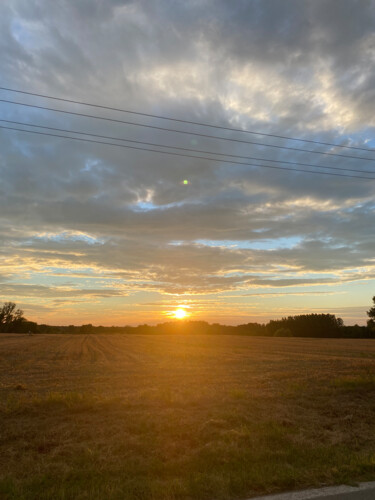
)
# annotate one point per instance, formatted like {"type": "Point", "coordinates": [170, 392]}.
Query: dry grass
{"type": "Point", "coordinates": [179, 417]}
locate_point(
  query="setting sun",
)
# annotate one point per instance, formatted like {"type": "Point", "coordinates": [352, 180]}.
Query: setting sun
{"type": "Point", "coordinates": [179, 313]}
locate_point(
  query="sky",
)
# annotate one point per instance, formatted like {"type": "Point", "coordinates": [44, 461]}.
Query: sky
{"type": "Point", "coordinates": [92, 233]}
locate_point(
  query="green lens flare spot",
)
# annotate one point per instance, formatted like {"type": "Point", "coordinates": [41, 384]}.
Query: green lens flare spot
{"type": "Point", "coordinates": [186, 182]}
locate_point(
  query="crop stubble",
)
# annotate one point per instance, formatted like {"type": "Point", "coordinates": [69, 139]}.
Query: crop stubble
{"type": "Point", "coordinates": [182, 417]}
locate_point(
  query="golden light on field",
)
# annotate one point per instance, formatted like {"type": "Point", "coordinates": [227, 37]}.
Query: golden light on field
{"type": "Point", "coordinates": [180, 313]}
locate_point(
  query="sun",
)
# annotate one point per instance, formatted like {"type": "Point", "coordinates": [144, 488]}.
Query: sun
{"type": "Point", "coordinates": [180, 313]}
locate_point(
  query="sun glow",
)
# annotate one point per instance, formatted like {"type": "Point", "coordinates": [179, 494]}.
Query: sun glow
{"type": "Point", "coordinates": [180, 313]}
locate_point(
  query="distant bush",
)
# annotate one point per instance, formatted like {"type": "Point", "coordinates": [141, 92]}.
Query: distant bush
{"type": "Point", "coordinates": [26, 327]}
{"type": "Point", "coordinates": [283, 332]}
{"type": "Point", "coordinates": [357, 332]}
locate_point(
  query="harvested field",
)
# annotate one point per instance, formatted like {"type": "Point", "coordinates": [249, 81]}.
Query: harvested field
{"type": "Point", "coordinates": [182, 417]}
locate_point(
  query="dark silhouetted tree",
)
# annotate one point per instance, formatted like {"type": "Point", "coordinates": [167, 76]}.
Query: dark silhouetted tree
{"type": "Point", "coordinates": [11, 318]}
{"type": "Point", "coordinates": [309, 325]}
{"type": "Point", "coordinates": [371, 315]}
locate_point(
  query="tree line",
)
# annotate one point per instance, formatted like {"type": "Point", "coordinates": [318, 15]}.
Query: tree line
{"type": "Point", "coordinates": [304, 325]}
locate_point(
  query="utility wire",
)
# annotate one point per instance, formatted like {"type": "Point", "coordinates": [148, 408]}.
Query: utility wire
{"type": "Point", "coordinates": [179, 120]}
{"type": "Point", "coordinates": [170, 153]}
{"type": "Point", "coordinates": [185, 132]}
{"type": "Point", "coordinates": [190, 150]}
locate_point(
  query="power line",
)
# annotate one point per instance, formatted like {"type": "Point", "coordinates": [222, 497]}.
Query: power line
{"type": "Point", "coordinates": [184, 149]}
{"type": "Point", "coordinates": [179, 120]}
{"type": "Point", "coordinates": [184, 155]}
{"type": "Point", "coordinates": [185, 132]}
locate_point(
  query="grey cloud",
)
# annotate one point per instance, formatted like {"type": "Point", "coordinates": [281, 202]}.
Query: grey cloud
{"type": "Point", "coordinates": [199, 61]}
{"type": "Point", "coordinates": [15, 290]}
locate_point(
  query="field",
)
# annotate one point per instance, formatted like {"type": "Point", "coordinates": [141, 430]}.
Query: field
{"type": "Point", "coordinates": [182, 417]}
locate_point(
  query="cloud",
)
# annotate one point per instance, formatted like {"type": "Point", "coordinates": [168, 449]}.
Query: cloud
{"type": "Point", "coordinates": [23, 290]}
{"type": "Point", "coordinates": [122, 218]}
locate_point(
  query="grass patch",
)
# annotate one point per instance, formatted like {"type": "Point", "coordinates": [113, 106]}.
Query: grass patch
{"type": "Point", "coordinates": [355, 383]}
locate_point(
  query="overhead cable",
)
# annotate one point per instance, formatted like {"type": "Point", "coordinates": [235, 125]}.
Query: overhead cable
{"type": "Point", "coordinates": [184, 155]}
{"type": "Point", "coordinates": [155, 127]}
{"type": "Point", "coordinates": [190, 122]}
{"type": "Point", "coordinates": [191, 150]}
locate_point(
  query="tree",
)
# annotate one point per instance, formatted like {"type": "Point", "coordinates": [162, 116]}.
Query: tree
{"type": "Point", "coordinates": [10, 317]}
{"type": "Point", "coordinates": [308, 325]}
{"type": "Point", "coordinates": [371, 315]}
{"type": "Point", "coordinates": [283, 332]}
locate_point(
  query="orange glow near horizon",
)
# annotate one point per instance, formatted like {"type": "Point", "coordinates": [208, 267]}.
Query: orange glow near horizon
{"type": "Point", "coordinates": [180, 313]}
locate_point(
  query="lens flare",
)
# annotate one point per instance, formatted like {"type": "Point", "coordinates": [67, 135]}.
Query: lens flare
{"type": "Point", "coordinates": [179, 313]}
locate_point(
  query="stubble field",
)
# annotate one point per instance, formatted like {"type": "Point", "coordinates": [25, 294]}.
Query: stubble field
{"type": "Point", "coordinates": [182, 417]}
